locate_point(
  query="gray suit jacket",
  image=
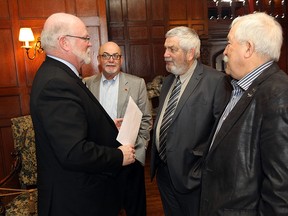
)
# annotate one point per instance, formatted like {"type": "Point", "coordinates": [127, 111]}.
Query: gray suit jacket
{"type": "Point", "coordinates": [198, 109]}
{"type": "Point", "coordinates": [135, 87]}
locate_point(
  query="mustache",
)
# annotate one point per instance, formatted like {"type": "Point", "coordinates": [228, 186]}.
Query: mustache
{"type": "Point", "coordinates": [113, 65]}
{"type": "Point", "coordinates": [168, 59]}
{"type": "Point", "coordinates": [225, 59]}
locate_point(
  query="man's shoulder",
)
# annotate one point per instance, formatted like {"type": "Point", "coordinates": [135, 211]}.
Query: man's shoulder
{"type": "Point", "coordinates": [131, 77]}
{"type": "Point", "coordinates": [92, 78]}
{"type": "Point", "coordinates": [212, 73]}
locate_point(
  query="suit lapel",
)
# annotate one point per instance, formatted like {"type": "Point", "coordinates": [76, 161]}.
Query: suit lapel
{"type": "Point", "coordinates": [163, 94]}
{"type": "Point", "coordinates": [124, 89]}
{"type": "Point", "coordinates": [242, 105]}
{"type": "Point", "coordinates": [192, 84]}
{"type": "Point", "coordinates": [95, 88]}
{"type": "Point", "coordinates": [234, 115]}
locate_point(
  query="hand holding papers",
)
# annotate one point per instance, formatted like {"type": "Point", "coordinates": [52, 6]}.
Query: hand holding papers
{"type": "Point", "coordinates": [131, 123]}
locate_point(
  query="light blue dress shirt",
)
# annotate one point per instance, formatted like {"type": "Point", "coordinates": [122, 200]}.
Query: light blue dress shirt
{"type": "Point", "coordinates": [109, 95]}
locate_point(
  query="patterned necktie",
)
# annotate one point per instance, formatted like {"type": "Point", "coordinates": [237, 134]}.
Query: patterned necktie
{"type": "Point", "coordinates": [167, 118]}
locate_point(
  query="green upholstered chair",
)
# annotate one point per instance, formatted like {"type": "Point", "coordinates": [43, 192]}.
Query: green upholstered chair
{"type": "Point", "coordinates": [25, 204]}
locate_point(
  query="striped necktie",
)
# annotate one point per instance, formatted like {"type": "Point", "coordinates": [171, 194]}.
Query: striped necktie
{"type": "Point", "coordinates": [167, 118]}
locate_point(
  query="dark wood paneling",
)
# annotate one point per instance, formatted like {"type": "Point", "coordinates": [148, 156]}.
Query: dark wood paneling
{"type": "Point", "coordinates": [136, 23]}
{"type": "Point", "coordinates": [7, 60]}
{"type": "Point", "coordinates": [113, 14]}
{"type": "Point", "coordinates": [5, 151]}
{"type": "Point", "coordinates": [157, 10]}
{"type": "Point", "coordinates": [178, 10]}
{"type": "Point", "coordinates": [138, 33]}
{"type": "Point", "coordinates": [159, 67]}
{"type": "Point", "coordinates": [138, 6]}
{"type": "Point", "coordinates": [141, 67]}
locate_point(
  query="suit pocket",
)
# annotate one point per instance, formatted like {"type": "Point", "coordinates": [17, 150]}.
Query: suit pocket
{"type": "Point", "coordinates": [195, 172]}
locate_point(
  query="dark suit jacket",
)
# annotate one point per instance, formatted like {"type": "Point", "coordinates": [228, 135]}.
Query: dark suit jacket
{"type": "Point", "coordinates": [76, 145]}
{"type": "Point", "coordinates": [246, 169]}
{"type": "Point", "coordinates": [199, 107]}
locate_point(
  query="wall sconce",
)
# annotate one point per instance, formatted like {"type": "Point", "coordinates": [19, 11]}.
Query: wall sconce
{"type": "Point", "coordinates": [25, 36]}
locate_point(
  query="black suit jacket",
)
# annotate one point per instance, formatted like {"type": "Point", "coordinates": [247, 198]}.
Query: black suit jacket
{"type": "Point", "coordinates": [198, 109]}
{"type": "Point", "coordinates": [246, 169]}
{"type": "Point", "coordinates": [76, 145]}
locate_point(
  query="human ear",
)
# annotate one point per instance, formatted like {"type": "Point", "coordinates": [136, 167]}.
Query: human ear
{"type": "Point", "coordinates": [250, 48]}
{"type": "Point", "coordinates": [64, 43]}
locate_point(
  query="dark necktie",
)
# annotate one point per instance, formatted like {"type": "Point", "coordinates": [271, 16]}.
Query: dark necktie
{"type": "Point", "coordinates": [167, 118]}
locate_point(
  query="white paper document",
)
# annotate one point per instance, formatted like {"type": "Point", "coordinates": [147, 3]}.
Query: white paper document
{"type": "Point", "coordinates": [131, 123]}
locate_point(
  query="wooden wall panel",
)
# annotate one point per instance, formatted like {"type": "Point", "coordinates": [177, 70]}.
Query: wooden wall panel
{"type": "Point", "coordinates": [198, 10]}
{"type": "Point", "coordinates": [144, 23]}
{"type": "Point", "coordinates": [115, 15]}
{"type": "Point", "coordinates": [178, 10]}
{"type": "Point", "coordinates": [10, 106]}
{"type": "Point", "coordinates": [141, 67]}
{"type": "Point", "coordinates": [39, 9]}
{"type": "Point", "coordinates": [157, 10]}
{"type": "Point", "coordinates": [159, 66]}
{"type": "Point", "coordinates": [7, 60]}
{"type": "Point", "coordinates": [5, 150]}
{"type": "Point", "coordinates": [87, 8]}
{"type": "Point", "coordinates": [4, 14]}
{"type": "Point", "coordinates": [136, 10]}
{"type": "Point", "coordinates": [138, 32]}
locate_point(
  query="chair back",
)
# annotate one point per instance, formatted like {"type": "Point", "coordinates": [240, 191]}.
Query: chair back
{"type": "Point", "coordinates": [24, 143]}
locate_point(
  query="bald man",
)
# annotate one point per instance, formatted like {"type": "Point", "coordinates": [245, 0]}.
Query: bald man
{"type": "Point", "coordinates": [113, 88]}
{"type": "Point", "coordinates": [78, 157]}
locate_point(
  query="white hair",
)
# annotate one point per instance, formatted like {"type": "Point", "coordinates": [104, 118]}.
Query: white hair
{"type": "Point", "coordinates": [263, 31]}
{"type": "Point", "coordinates": [188, 38]}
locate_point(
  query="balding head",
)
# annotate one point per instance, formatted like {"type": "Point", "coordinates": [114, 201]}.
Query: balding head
{"type": "Point", "coordinates": [110, 59]}
{"type": "Point", "coordinates": [110, 47]}
{"type": "Point", "coordinates": [65, 36]}
{"type": "Point", "coordinates": [56, 25]}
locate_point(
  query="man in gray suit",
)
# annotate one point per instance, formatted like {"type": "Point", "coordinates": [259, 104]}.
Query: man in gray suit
{"type": "Point", "coordinates": [113, 89]}
{"type": "Point", "coordinates": [177, 151]}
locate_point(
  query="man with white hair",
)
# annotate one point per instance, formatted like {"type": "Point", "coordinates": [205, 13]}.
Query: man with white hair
{"type": "Point", "coordinates": [246, 168]}
{"type": "Point", "coordinates": [78, 157]}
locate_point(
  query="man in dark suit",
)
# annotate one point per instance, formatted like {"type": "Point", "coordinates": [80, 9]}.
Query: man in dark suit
{"type": "Point", "coordinates": [78, 156]}
{"type": "Point", "coordinates": [179, 142]}
{"type": "Point", "coordinates": [246, 168]}
{"type": "Point", "coordinates": [113, 88]}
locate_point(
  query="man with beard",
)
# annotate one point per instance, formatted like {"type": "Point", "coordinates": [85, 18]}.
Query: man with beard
{"type": "Point", "coordinates": [185, 120]}
{"type": "Point", "coordinates": [78, 157]}
{"type": "Point", "coordinates": [113, 88]}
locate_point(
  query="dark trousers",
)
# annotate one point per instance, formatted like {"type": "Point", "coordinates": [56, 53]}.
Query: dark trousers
{"type": "Point", "coordinates": [175, 203]}
{"type": "Point", "coordinates": [132, 189]}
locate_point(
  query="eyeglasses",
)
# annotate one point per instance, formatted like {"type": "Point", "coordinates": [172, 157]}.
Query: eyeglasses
{"type": "Point", "coordinates": [87, 39]}
{"type": "Point", "coordinates": [107, 56]}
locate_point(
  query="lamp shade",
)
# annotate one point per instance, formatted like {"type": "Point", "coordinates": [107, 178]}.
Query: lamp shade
{"type": "Point", "coordinates": [26, 34]}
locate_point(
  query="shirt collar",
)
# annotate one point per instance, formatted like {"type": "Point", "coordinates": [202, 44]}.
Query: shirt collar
{"type": "Point", "coordinates": [247, 80]}
{"type": "Point", "coordinates": [189, 73]}
{"type": "Point", "coordinates": [104, 80]}
{"type": "Point", "coordinates": [72, 67]}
